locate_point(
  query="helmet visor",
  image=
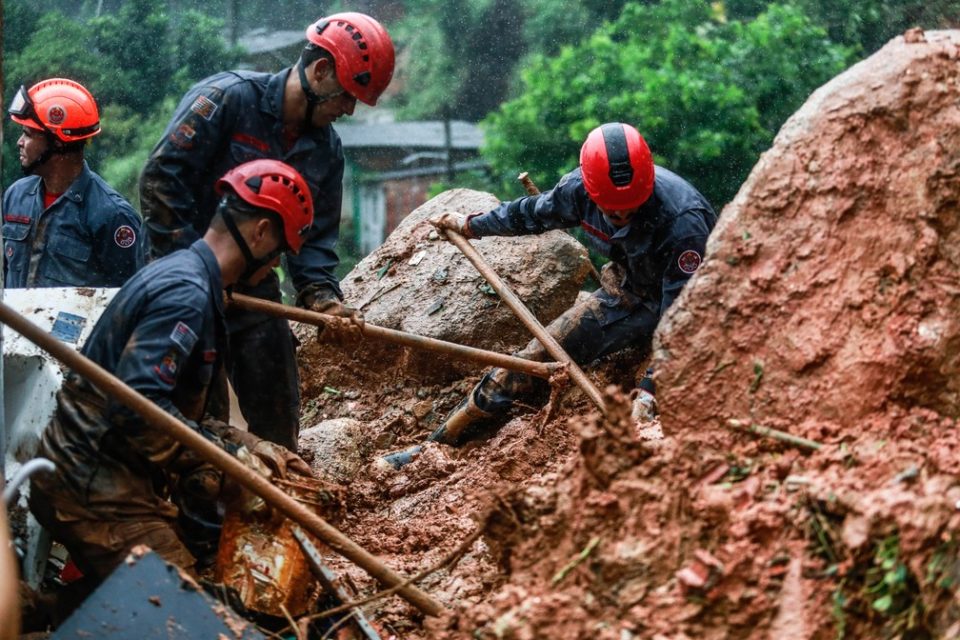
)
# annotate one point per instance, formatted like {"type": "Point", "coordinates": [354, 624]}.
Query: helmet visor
{"type": "Point", "coordinates": [22, 107]}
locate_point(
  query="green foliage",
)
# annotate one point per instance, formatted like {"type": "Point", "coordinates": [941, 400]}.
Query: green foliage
{"type": "Point", "coordinates": [135, 86]}
{"type": "Point", "coordinates": [708, 94]}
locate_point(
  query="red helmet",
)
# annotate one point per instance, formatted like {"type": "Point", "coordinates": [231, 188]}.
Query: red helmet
{"type": "Point", "coordinates": [277, 187]}
{"type": "Point", "coordinates": [63, 108]}
{"type": "Point", "coordinates": [362, 52]}
{"type": "Point", "coordinates": [617, 167]}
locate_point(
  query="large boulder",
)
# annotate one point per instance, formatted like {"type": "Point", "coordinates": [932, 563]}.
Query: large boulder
{"type": "Point", "coordinates": [422, 284]}
{"type": "Point", "coordinates": [829, 297]}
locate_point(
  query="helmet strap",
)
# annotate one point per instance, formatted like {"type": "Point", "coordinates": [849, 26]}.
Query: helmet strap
{"type": "Point", "coordinates": [313, 98]}
{"type": "Point", "coordinates": [48, 153]}
{"type": "Point", "coordinates": [253, 264]}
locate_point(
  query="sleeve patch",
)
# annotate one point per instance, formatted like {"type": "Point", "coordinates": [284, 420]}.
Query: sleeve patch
{"type": "Point", "coordinates": [167, 369]}
{"type": "Point", "coordinates": [125, 236]}
{"type": "Point", "coordinates": [689, 261]}
{"type": "Point", "coordinates": [184, 337]}
{"type": "Point", "coordinates": [204, 107]}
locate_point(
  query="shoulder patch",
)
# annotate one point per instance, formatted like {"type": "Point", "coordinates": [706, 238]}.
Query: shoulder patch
{"type": "Point", "coordinates": [167, 369]}
{"type": "Point", "coordinates": [689, 261]}
{"type": "Point", "coordinates": [184, 337]}
{"type": "Point", "coordinates": [204, 107]}
{"type": "Point", "coordinates": [125, 236]}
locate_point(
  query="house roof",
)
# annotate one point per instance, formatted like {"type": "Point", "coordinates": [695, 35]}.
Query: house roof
{"type": "Point", "coordinates": [427, 134]}
{"type": "Point", "coordinates": [262, 40]}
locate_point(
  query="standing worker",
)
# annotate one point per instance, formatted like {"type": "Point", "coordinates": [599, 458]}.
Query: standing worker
{"type": "Point", "coordinates": [650, 223]}
{"type": "Point", "coordinates": [237, 116]}
{"type": "Point", "coordinates": [63, 226]}
{"type": "Point", "coordinates": [164, 335]}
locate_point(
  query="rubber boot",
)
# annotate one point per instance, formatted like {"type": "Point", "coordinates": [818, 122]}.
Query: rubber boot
{"type": "Point", "coordinates": [451, 432]}
{"type": "Point", "coordinates": [454, 430]}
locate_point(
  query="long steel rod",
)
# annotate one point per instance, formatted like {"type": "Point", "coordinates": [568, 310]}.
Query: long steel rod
{"type": "Point", "coordinates": [156, 417]}
{"type": "Point", "coordinates": [481, 356]}
{"type": "Point", "coordinates": [527, 318]}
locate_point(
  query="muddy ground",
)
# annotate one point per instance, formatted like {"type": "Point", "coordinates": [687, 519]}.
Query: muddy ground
{"type": "Point", "coordinates": [826, 308]}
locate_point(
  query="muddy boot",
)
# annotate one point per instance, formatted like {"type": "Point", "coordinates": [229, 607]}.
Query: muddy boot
{"type": "Point", "coordinates": [456, 430]}
{"type": "Point", "coordinates": [398, 459]}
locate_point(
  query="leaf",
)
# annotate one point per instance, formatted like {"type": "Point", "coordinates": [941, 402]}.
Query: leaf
{"type": "Point", "coordinates": [883, 603]}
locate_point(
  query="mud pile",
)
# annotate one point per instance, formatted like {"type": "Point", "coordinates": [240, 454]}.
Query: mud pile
{"type": "Point", "coordinates": [826, 308]}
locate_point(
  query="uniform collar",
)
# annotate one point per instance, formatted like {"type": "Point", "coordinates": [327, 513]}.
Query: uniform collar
{"type": "Point", "coordinates": [76, 189]}
{"type": "Point", "coordinates": [201, 248]}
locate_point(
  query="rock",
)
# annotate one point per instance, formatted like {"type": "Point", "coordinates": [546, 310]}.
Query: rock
{"type": "Point", "coordinates": [426, 286]}
{"type": "Point", "coordinates": [829, 292]}
{"type": "Point", "coordinates": [336, 448]}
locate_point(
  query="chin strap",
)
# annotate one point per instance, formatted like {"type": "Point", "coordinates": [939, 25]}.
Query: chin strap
{"type": "Point", "coordinates": [253, 264]}
{"type": "Point", "coordinates": [51, 150]}
{"type": "Point", "coordinates": [313, 98]}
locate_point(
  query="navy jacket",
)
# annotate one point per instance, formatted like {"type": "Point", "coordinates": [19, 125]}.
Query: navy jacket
{"type": "Point", "coordinates": [659, 249]}
{"type": "Point", "coordinates": [223, 121]}
{"type": "Point", "coordinates": [164, 336]}
{"type": "Point", "coordinates": [89, 237]}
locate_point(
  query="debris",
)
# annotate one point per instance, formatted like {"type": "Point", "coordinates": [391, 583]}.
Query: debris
{"type": "Point", "coordinates": [436, 306]}
{"type": "Point", "coordinates": [570, 566]}
{"type": "Point", "coordinates": [331, 391]}
{"type": "Point", "coordinates": [796, 441]}
{"type": "Point", "coordinates": [417, 258]}
{"type": "Point", "coordinates": [382, 271]}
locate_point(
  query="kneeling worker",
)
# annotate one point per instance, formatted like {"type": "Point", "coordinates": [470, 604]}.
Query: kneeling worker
{"type": "Point", "coordinates": [652, 225]}
{"type": "Point", "coordinates": [163, 335]}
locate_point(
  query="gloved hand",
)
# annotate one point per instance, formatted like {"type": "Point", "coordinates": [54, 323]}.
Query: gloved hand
{"type": "Point", "coordinates": [324, 300]}
{"type": "Point", "coordinates": [280, 460]}
{"type": "Point", "coordinates": [644, 402]}
{"type": "Point", "coordinates": [454, 222]}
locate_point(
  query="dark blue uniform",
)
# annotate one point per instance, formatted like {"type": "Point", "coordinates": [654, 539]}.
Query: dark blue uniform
{"type": "Point", "coordinates": [223, 121]}
{"type": "Point", "coordinates": [652, 257]}
{"type": "Point", "coordinates": [89, 237]}
{"type": "Point", "coordinates": [164, 336]}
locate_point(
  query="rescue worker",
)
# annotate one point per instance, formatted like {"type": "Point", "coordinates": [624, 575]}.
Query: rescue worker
{"type": "Point", "coordinates": [237, 116]}
{"type": "Point", "coordinates": [63, 226]}
{"type": "Point", "coordinates": [164, 335]}
{"type": "Point", "coordinates": [650, 223]}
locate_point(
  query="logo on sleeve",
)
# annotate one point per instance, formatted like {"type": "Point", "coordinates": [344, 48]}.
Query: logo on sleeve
{"type": "Point", "coordinates": [689, 261]}
{"type": "Point", "coordinates": [204, 107]}
{"type": "Point", "coordinates": [184, 337]}
{"type": "Point", "coordinates": [125, 236]}
{"type": "Point", "coordinates": [167, 369]}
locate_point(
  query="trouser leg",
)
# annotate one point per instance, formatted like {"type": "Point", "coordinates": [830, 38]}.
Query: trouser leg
{"type": "Point", "coordinates": [98, 546]}
{"type": "Point", "coordinates": [265, 377]}
{"type": "Point", "coordinates": [589, 330]}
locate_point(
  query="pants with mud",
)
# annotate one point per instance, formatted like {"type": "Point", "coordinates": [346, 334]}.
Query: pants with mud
{"type": "Point", "coordinates": [98, 544]}
{"type": "Point", "coordinates": [263, 371]}
{"type": "Point", "coordinates": [600, 325]}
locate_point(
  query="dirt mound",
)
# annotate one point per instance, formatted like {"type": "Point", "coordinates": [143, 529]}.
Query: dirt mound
{"type": "Point", "coordinates": [826, 308]}
{"type": "Point", "coordinates": [830, 291]}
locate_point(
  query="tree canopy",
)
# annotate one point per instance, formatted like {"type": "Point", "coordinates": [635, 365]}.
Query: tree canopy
{"type": "Point", "coordinates": [708, 93]}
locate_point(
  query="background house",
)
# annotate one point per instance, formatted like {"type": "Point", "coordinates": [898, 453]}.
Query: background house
{"type": "Point", "coordinates": [391, 166]}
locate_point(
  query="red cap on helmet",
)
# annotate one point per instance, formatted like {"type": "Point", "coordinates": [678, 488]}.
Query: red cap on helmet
{"type": "Point", "coordinates": [62, 107]}
{"type": "Point", "coordinates": [362, 52]}
{"type": "Point", "coordinates": [278, 187]}
{"type": "Point", "coordinates": [617, 167]}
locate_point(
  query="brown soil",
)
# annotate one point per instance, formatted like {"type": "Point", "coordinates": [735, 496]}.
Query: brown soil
{"type": "Point", "coordinates": [826, 308]}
